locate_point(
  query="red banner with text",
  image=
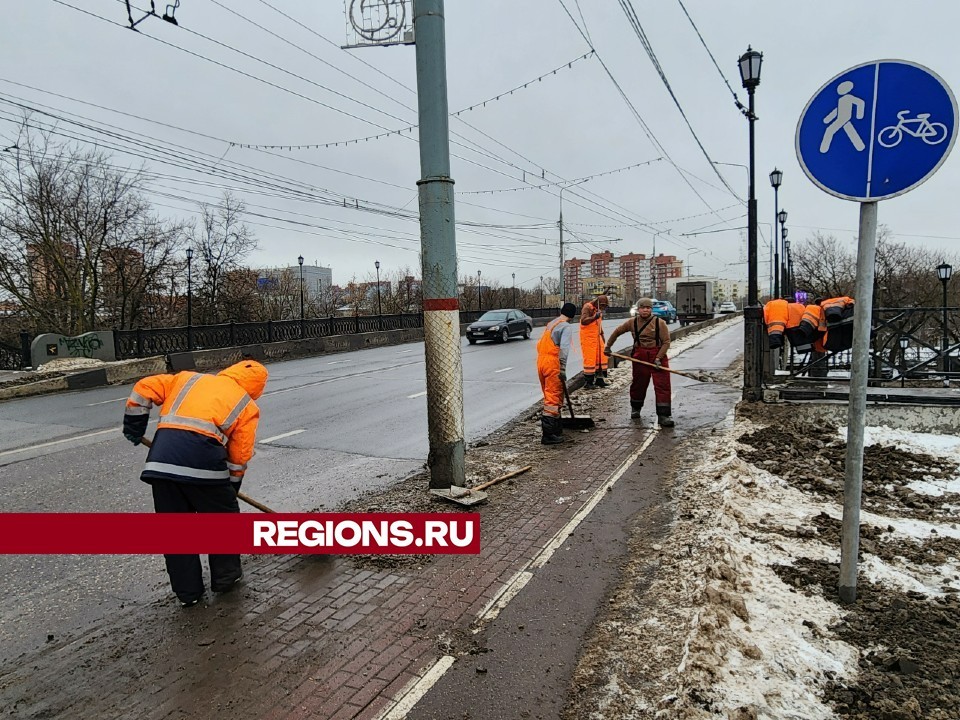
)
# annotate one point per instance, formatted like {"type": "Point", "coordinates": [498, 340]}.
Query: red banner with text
{"type": "Point", "coordinates": [243, 533]}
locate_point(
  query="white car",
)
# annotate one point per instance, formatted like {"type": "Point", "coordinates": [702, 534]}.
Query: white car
{"type": "Point", "coordinates": [728, 307]}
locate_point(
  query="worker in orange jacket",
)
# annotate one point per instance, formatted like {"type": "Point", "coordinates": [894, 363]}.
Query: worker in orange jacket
{"type": "Point", "coordinates": [775, 315]}
{"type": "Point", "coordinates": [592, 341]}
{"type": "Point", "coordinates": [553, 348]}
{"type": "Point", "coordinates": [207, 429]}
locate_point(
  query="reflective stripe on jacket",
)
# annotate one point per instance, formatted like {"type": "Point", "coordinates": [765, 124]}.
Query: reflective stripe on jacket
{"type": "Point", "coordinates": [207, 427]}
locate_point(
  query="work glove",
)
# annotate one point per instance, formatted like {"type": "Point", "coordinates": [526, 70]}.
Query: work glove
{"type": "Point", "coordinates": [563, 376]}
{"type": "Point", "coordinates": [607, 351]}
{"type": "Point", "coordinates": [236, 482]}
{"type": "Point", "coordinates": [658, 363]}
{"type": "Point", "coordinates": [135, 439]}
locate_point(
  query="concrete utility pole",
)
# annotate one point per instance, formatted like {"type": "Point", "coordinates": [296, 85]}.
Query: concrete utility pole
{"type": "Point", "coordinates": [441, 306]}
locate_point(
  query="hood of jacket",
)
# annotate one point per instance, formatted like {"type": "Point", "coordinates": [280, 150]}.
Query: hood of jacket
{"type": "Point", "coordinates": [248, 374]}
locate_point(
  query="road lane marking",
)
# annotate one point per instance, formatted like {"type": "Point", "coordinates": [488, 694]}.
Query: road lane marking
{"type": "Point", "coordinates": [404, 352]}
{"type": "Point", "coordinates": [105, 402]}
{"type": "Point", "coordinates": [419, 394]}
{"type": "Point", "coordinates": [502, 370]}
{"type": "Point", "coordinates": [283, 435]}
{"type": "Point", "coordinates": [57, 442]}
{"type": "Point", "coordinates": [337, 362]}
{"type": "Point", "coordinates": [416, 690]}
{"type": "Point", "coordinates": [515, 584]}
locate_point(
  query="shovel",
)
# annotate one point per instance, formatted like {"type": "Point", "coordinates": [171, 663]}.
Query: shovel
{"type": "Point", "coordinates": [698, 378]}
{"type": "Point", "coordinates": [471, 496]}
{"type": "Point", "coordinates": [240, 496]}
{"type": "Point", "coordinates": [574, 422]}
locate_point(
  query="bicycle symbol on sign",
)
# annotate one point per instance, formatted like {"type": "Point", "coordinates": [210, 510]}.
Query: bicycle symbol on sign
{"type": "Point", "coordinates": [918, 127]}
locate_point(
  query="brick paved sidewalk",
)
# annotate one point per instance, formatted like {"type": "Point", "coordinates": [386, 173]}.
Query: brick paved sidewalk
{"type": "Point", "coordinates": [313, 636]}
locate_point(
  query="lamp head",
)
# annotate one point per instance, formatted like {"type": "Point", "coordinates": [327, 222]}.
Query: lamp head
{"type": "Point", "coordinates": [376, 264]}
{"type": "Point", "coordinates": [904, 341]}
{"type": "Point", "coordinates": [750, 63]}
{"type": "Point", "coordinates": [782, 217]}
{"type": "Point", "coordinates": [776, 177]}
{"type": "Point", "coordinates": [944, 271]}
{"type": "Point", "coordinates": [189, 254]}
{"type": "Point", "coordinates": [300, 260]}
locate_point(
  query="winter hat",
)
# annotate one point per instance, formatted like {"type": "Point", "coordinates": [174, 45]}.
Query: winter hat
{"type": "Point", "coordinates": [568, 309]}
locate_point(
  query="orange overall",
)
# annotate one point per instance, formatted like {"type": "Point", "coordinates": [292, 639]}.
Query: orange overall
{"type": "Point", "coordinates": [548, 368]}
{"type": "Point", "coordinates": [591, 341]}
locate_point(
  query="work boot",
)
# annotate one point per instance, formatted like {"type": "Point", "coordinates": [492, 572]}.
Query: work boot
{"type": "Point", "coordinates": [603, 373]}
{"type": "Point", "coordinates": [552, 430]}
{"type": "Point", "coordinates": [589, 381]}
{"type": "Point", "coordinates": [664, 415]}
{"type": "Point", "coordinates": [635, 409]}
{"type": "Point", "coordinates": [600, 382]}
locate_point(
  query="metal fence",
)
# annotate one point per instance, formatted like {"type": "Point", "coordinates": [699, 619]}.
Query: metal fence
{"type": "Point", "coordinates": [146, 342]}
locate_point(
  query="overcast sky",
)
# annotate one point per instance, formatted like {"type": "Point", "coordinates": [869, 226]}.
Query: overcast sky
{"type": "Point", "coordinates": [230, 73]}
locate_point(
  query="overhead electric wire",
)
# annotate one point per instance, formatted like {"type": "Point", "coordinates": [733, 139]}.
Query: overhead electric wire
{"type": "Point", "coordinates": [631, 13]}
{"type": "Point", "coordinates": [703, 42]}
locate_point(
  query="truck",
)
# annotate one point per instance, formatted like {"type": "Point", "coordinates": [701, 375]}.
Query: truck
{"type": "Point", "coordinates": [694, 301]}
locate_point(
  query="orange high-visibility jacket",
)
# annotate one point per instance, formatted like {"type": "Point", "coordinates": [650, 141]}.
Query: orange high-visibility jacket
{"type": "Point", "coordinates": [837, 309]}
{"type": "Point", "coordinates": [775, 315]}
{"type": "Point", "coordinates": [591, 340]}
{"type": "Point", "coordinates": [208, 423]}
{"type": "Point", "coordinates": [552, 350]}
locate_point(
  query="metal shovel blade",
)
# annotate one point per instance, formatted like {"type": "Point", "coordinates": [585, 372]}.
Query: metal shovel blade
{"type": "Point", "coordinates": [459, 495]}
{"type": "Point", "coordinates": [577, 422]}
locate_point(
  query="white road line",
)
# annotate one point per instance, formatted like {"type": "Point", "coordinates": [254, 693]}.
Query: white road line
{"type": "Point", "coordinates": [404, 352]}
{"type": "Point", "coordinates": [283, 435]}
{"type": "Point", "coordinates": [502, 370]}
{"type": "Point", "coordinates": [337, 362]}
{"type": "Point", "coordinates": [416, 690]}
{"type": "Point", "coordinates": [416, 395]}
{"type": "Point", "coordinates": [104, 402]}
{"type": "Point", "coordinates": [57, 442]}
{"type": "Point", "coordinates": [515, 584]}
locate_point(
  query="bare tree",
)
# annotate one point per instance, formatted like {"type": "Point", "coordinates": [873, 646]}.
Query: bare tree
{"type": "Point", "coordinates": [79, 245]}
{"type": "Point", "coordinates": [222, 242]}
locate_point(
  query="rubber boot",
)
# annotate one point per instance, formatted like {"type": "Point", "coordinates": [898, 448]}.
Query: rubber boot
{"type": "Point", "coordinates": [603, 373]}
{"type": "Point", "coordinates": [552, 430]}
{"type": "Point", "coordinates": [663, 416]}
{"type": "Point", "coordinates": [635, 409]}
{"type": "Point", "coordinates": [589, 381]}
{"type": "Point", "coordinates": [600, 382]}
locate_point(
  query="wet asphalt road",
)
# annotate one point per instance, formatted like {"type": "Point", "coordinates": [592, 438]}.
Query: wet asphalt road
{"type": "Point", "coordinates": [332, 428]}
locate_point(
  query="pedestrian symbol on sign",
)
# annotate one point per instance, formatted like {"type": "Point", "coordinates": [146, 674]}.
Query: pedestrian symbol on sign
{"type": "Point", "coordinates": [841, 118]}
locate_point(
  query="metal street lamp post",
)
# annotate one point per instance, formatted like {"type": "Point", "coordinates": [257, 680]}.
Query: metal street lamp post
{"type": "Point", "coordinates": [776, 178]}
{"type": "Point", "coordinates": [787, 266]}
{"type": "Point", "coordinates": [904, 341]}
{"type": "Point", "coordinates": [514, 277]}
{"type": "Point", "coordinates": [563, 289]}
{"type": "Point", "coordinates": [750, 63]}
{"type": "Point", "coordinates": [541, 292]}
{"type": "Point", "coordinates": [376, 264]}
{"type": "Point", "coordinates": [782, 218]}
{"type": "Point", "coordinates": [479, 296]}
{"type": "Point", "coordinates": [944, 271]}
{"type": "Point", "coordinates": [189, 300]}
{"type": "Point", "coordinates": [300, 263]}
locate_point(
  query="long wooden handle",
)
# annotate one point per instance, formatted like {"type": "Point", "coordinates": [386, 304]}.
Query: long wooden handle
{"type": "Point", "coordinates": [566, 394]}
{"type": "Point", "coordinates": [657, 367]}
{"type": "Point", "coordinates": [509, 475]}
{"type": "Point", "coordinates": [147, 442]}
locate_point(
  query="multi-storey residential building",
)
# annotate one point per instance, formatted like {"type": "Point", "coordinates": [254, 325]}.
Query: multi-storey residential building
{"type": "Point", "coordinates": [573, 273]}
{"type": "Point", "coordinates": [626, 275]}
{"type": "Point", "coordinates": [662, 268]}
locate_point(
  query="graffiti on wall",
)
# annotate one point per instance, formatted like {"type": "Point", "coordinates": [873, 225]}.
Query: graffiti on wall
{"type": "Point", "coordinates": [50, 346]}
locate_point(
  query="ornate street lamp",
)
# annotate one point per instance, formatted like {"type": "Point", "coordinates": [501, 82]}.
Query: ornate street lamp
{"type": "Point", "coordinates": [944, 271]}
{"type": "Point", "coordinates": [479, 296]}
{"type": "Point", "coordinates": [781, 269]}
{"type": "Point", "coordinates": [376, 264]}
{"type": "Point", "coordinates": [904, 341]}
{"type": "Point", "coordinates": [189, 300]}
{"type": "Point", "coordinates": [750, 63]}
{"type": "Point", "coordinates": [541, 292]}
{"type": "Point", "coordinates": [776, 178]}
{"type": "Point", "coordinates": [300, 263]}
{"type": "Point", "coordinates": [514, 277]}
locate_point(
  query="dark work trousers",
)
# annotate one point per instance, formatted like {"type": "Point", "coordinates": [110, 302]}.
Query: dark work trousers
{"type": "Point", "coordinates": [641, 380]}
{"type": "Point", "coordinates": [186, 574]}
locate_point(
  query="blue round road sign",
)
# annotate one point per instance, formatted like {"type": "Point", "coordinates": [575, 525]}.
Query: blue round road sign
{"type": "Point", "coordinates": [877, 130]}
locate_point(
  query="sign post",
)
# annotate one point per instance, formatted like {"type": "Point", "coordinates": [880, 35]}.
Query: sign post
{"type": "Point", "coordinates": [873, 132]}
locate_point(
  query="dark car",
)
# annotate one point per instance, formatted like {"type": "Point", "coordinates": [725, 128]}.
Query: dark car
{"type": "Point", "coordinates": [500, 325]}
